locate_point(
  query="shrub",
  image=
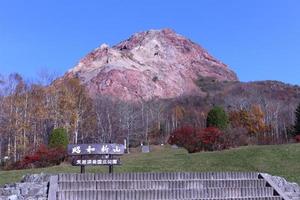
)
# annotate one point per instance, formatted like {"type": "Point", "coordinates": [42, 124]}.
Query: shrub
{"type": "Point", "coordinates": [297, 138]}
{"type": "Point", "coordinates": [218, 118]}
{"type": "Point", "coordinates": [264, 139]}
{"type": "Point", "coordinates": [297, 121]}
{"type": "Point", "coordinates": [42, 157]}
{"type": "Point", "coordinates": [235, 137]}
{"type": "Point", "coordinates": [58, 138]}
{"type": "Point", "coordinates": [211, 139]}
{"type": "Point", "coordinates": [158, 136]}
{"type": "Point", "coordinates": [186, 137]}
{"type": "Point", "coordinates": [209, 84]}
{"type": "Point", "coordinates": [195, 140]}
{"type": "Point", "coordinates": [290, 131]}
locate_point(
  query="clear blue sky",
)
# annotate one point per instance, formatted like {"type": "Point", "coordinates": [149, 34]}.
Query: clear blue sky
{"type": "Point", "coordinates": [258, 39]}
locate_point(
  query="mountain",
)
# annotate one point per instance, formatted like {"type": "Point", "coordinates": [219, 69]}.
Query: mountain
{"type": "Point", "coordinates": [151, 64]}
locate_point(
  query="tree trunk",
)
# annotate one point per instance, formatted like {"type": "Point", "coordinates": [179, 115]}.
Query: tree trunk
{"type": "Point", "coordinates": [15, 148]}
{"type": "Point", "coordinates": [76, 130]}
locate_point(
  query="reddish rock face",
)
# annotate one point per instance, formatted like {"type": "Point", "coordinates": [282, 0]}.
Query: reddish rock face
{"type": "Point", "coordinates": [151, 64]}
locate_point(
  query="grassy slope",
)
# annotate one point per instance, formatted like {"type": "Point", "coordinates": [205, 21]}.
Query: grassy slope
{"type": "Point", "coordinates": [280, 160]}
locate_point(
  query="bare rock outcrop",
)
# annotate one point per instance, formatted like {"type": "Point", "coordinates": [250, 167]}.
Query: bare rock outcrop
{"type": "Point", "coordinates": [151, 64]}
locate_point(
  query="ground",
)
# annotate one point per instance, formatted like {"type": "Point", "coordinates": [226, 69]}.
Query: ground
{"type": "Point", "coordinates": [279, 160]}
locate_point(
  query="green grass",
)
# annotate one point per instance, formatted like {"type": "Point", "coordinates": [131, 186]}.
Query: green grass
{"type": "Point", "coordinates": [279, 160]}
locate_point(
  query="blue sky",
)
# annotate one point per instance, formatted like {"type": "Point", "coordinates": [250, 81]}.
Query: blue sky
{"type": "Point", "coordinates": [258, 39]}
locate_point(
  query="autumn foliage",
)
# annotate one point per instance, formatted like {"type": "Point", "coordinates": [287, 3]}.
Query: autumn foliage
{"type": "Point", "coordinates": [297, 138]}
{"type": "Point", "coordinates": [211, 139]}
{"type": "Point", "coordinates": [195, 140]}
{"type": "Point", "coordinates": [42, 157]}
{"type": "Point", "coordinates": [248, 114]}
{"type": "Point", "coordinates": [185, 137]}
{"type": "Point", "coordinates": [252, 120]}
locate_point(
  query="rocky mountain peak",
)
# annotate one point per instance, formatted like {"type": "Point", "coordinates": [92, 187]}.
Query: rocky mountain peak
{"type": "Point", "coordinates": [150, 64]}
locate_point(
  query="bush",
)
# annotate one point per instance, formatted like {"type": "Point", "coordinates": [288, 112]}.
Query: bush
{"type": "Point", "coordinates": [195, 140]}
{"type": "Point", "coordinates": [218, 118]}
{"type": "Point", "coordinates": [235, 137]}
{"type": "Point", "coordinates": [42, 157]}
{"type": "Point", "coordinates": [58, 138]}
{"type": "Point", "coordinates": [157, 136]}
{"type": "Point", "coordinates": [264, 139]}
{"type": "Point", "coordinates": [211, 139]}
{"type": "Point", "coordinates": [297, 121]}
{"type": "Point", "coordinates": [186, 137]}
{"type": "Point", "coordinates": [297, 138]}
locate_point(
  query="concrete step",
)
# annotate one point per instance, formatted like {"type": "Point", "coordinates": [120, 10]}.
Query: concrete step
{"type": "Point", "coordinates": [96, 197]}
{"type": "Point", "coordinates": [241, 198]}
{"type": "Point", "coordinates": [221, 193]}
{"type": "Point", "coordinates": [160, 176]}
{"type": "Point", "coordinates": [171, 184]}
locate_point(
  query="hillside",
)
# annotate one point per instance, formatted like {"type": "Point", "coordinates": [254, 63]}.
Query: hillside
{"type": "Point", "coordinates": [279, 160]}
{"type": "Point", "coordinates": [150, 64]}
{"type": "Point", "coordinates": [259, 92]}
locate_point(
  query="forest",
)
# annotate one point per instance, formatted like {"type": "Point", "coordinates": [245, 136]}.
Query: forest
{"type": "Point", "coordinates": [29, 111]}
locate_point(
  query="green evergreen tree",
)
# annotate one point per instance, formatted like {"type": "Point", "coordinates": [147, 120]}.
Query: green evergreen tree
{"type": "Point", "coordinates": [58, 138]}
{"type": "Point", "coordinates": [297, 121]}
{"type": "Point", "coordinates": [217, 117]}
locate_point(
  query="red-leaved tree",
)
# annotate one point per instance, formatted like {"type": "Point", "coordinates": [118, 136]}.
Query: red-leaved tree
{"type": "Point", "coordinates": [186, 137]}
{"type": "Point", "coordinates": [42, 157]}
{"type": "Point", "coordinates": [195, 140]}
{"type": "Point", "coordinates": [211, 139]}
{"type": "Point", "coordinates": [297, 138]}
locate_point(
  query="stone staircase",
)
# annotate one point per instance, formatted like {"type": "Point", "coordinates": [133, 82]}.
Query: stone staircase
{"type": "Point", "coordinates": [162, 186]}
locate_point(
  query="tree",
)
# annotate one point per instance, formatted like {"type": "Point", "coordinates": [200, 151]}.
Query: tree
{"type": "Point", "coordinates": [74, 104]}
{"type": "Point", "coordinates": [187, 138]}
{"type": "Point", "coordinates": [16, 108]}
{"type": "Point", "coordinates": [2, 115]}
{"type": "Point", "coordinates": [58, 138]}
{"type": "Point", "coordinates": [257, 122]}
{"type": "Point", "coordinates": [297, 121]}
{"type": "Point", "coordinates": [177, 115]}
{"type": "Point", "coordinates": [240, 118]}
{"type": "Point", "coordinates": [218, 118]}
{"type": "Point", "coordinates": [252, 120]}
{"type": "Point", "coordinates": [211, 139]}
{"type": "Point", "coordinates": [195, 140]}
